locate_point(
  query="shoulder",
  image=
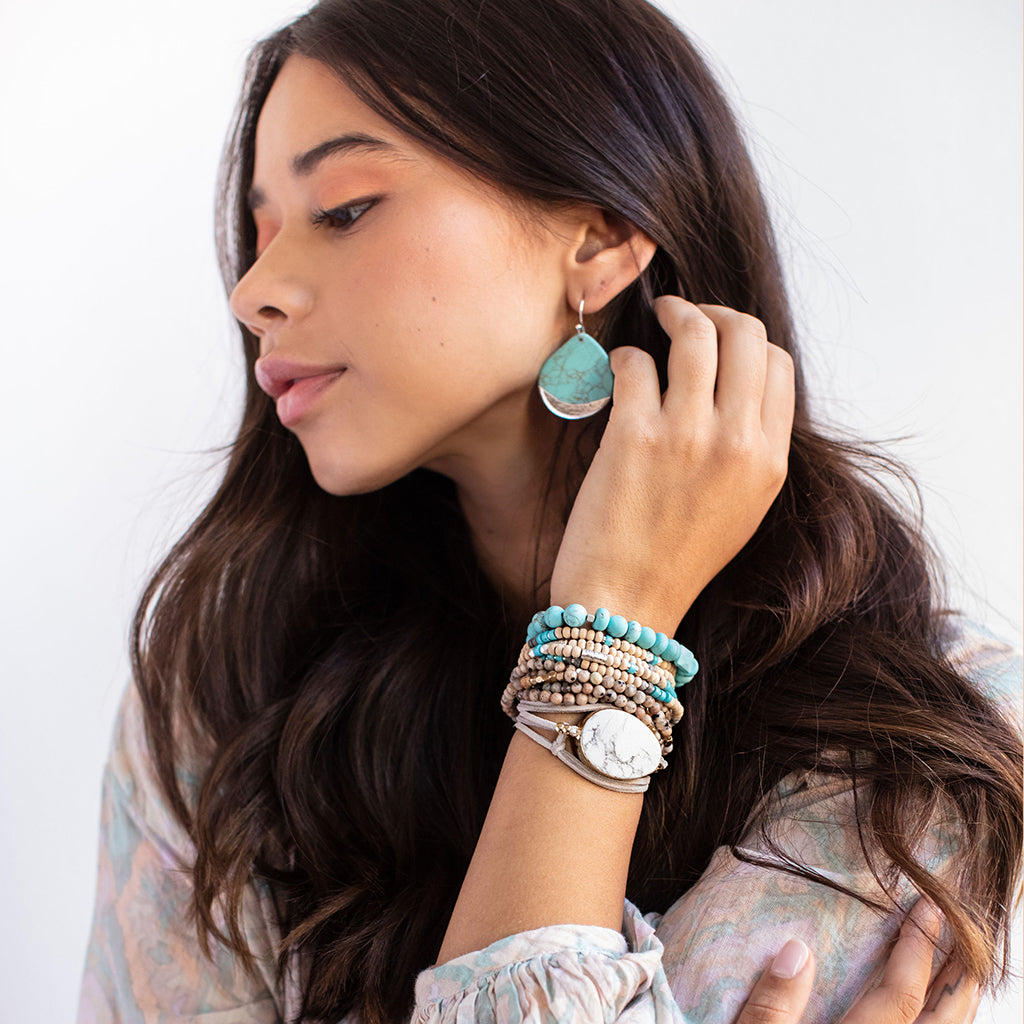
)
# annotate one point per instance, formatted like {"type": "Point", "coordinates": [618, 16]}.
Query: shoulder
{"type": "Point", "coordinates": [144, 953]}
{"type": "Point", "coordinates": [990, 662]}
{"type": "Point", "coordinates": [133, 784]}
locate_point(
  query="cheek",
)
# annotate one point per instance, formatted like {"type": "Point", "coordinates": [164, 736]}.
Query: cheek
{"type": "Point", "coordinates": [460, 309]}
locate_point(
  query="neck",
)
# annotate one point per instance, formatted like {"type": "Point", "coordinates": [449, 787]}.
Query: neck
{"type": "Point", "coordinates": [501, 472]}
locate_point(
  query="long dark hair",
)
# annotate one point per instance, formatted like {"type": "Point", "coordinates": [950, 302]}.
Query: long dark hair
{"type": "Point", "coordinates": [301, 639]}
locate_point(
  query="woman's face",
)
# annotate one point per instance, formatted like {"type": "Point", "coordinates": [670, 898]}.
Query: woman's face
{"type": "Point", "coordinates": [407, 326]}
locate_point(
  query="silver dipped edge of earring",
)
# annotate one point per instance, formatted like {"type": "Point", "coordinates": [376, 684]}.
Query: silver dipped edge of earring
{"type": "Point", "coordinates": [576, 379]}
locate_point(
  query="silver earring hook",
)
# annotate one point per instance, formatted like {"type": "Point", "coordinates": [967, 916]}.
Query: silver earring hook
{"type": "Point", "coordinates": [579, 325]}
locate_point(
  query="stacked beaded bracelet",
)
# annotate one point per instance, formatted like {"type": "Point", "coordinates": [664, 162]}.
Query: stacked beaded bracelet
{"type": "Point", "coordinates": [579, 680]}
{"type": "Point", "coordinates": [573, 658]}
{"type": "Point", "coordinates": [581, 655]}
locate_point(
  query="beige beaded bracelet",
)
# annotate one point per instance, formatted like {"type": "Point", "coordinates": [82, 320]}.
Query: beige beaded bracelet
{"type": "Point", "coordinates": [576, 673]}
{"type": "Point", "coordinates": [584, 664]}
{"type": "Point", "coordinates": [576, 636]}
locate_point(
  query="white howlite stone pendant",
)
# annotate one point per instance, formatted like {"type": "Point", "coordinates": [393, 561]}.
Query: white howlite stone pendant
{"type": "Point", "coordinates": [618, 744]}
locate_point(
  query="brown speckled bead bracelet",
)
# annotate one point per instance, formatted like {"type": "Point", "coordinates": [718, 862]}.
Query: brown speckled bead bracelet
{"type": "Point", "coordinates": [631, 691]}
{"type": "Point", "coordinates": [568, 662]}
{"type": "Point", "coordinates": [600, 655]}
{"type": "Point", "coordinates": [545, 681]}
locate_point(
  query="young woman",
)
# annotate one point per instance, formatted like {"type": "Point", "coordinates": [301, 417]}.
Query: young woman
{"type": "Point", "coordinates": [445, 510]}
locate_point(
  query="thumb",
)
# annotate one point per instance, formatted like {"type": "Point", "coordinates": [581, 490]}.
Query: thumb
{"type": "Point", "coordinates": [781, 993]}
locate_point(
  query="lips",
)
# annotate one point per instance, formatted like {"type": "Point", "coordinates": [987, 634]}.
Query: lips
{"type": "Point", "coordinates": [294, 386]}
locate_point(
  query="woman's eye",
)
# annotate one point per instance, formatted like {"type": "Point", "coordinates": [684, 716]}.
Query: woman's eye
{"type": "Point", "coordinates": [342, 217]}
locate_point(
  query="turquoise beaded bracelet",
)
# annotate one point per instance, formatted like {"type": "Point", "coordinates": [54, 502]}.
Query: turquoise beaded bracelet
{"type": "Point", "coordinates": [616, 626]}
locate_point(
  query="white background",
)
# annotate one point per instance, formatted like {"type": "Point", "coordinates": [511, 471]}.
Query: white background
{"type": "Point", "coordinates": [888, 132]}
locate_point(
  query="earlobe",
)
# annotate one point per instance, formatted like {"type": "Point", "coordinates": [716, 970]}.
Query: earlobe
{"type": "Point", "coordinates": [611, 255]}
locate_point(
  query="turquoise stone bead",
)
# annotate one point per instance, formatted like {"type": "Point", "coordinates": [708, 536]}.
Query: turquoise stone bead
{"type": "Point", "coordinates": [672, 650]}
{"type": "Point", "coordinates": [659, 645]}
{"type": "Point", "coordinates": [646, 638]}
{"type": "Point", "coordinates": [686, 667]}
{"type": "Point", "coordinates": [633, 631]}
{"type": "Point", "coordinates": [601, 617]}
{"type": "Point", "coordinates": [553, 616]}
{"type": "Point", "coordinates": [532, 630]}
{"type": "Point", "coordinates": [632, 670]}
{"type": "Point", "coordinates": [576, 379]}
{"type": "Point", "coordinates": [574, 615]}
{"type": "Point", "coordinates": [617, 626]}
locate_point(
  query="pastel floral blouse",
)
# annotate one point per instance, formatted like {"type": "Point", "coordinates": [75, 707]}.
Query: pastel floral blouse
{"type": "Point", "coordinates": [693, 965]}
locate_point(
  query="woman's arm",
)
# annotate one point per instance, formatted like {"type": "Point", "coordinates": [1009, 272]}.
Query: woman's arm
{"type": "Point", "coordinates": [554, 847]}
{"type": "Point", "coordinates": [719, 434]}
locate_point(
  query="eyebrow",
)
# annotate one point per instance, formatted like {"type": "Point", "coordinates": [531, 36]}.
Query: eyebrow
{"type": "Point", "coordinates": [306, 163]}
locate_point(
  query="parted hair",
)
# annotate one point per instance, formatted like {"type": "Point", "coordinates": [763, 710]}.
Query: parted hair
{"type": "Point", "coordinates": [303, 640]}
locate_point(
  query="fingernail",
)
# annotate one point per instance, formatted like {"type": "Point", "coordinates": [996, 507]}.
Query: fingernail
{"type": "Point", "coordinates": [790, 960]}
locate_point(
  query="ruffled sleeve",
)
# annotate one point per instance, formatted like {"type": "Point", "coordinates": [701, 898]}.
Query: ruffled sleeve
{"type": "Point", "coordinates": [557, 973]}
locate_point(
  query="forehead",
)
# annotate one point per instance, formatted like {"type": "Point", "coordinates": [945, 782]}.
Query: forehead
{"type": "Point", "coordinates": [310, 115]}
{"type": "Point", "coordinates": [308, 105]}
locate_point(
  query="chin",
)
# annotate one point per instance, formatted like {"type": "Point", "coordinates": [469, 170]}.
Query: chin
{"type": "Point", "coordinates": [347, 477]}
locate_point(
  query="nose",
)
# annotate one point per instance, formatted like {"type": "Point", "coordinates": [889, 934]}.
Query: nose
{"type": "Point", "coordinates": [271, 293]}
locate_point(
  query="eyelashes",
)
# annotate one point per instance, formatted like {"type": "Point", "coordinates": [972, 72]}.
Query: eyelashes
{"type": "Point", "coordinates": [338, 218]}
{"type": "Point", "coordinates": [341, 218]}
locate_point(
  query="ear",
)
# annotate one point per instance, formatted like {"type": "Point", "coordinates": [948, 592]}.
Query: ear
{"type": "Point", "coordinates": [609, 254]}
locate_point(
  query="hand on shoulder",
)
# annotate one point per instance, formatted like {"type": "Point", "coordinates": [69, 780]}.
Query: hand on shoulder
{"type": "Point", "coordinates": [905, 995]}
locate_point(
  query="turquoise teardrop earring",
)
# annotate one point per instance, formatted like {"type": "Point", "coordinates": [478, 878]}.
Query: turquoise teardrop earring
{"type": "Point", "coordinates": [576, 379]}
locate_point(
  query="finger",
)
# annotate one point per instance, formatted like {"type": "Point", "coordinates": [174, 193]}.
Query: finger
{"type": "Point", "coordinates": [954, 997]}
{"type": "Point", "coordinates": [635, 389]}
{"type": "Point", "coordinates": [742, 363]}
{"type": "Point", "coordinates": [692, 355]}
{"type": "Point", "coordinates": [951, 980]}
{"type": "Point", "coordinates": [778, 404]}
{"type": "Point", "coordinates": [972, 1010]}
{"type": "Point", "coordinates": [781, 993]}
{"type": "Point", "coordinates": [900, 995]}
{"type": "Point", "coordinates": [910, 963]}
